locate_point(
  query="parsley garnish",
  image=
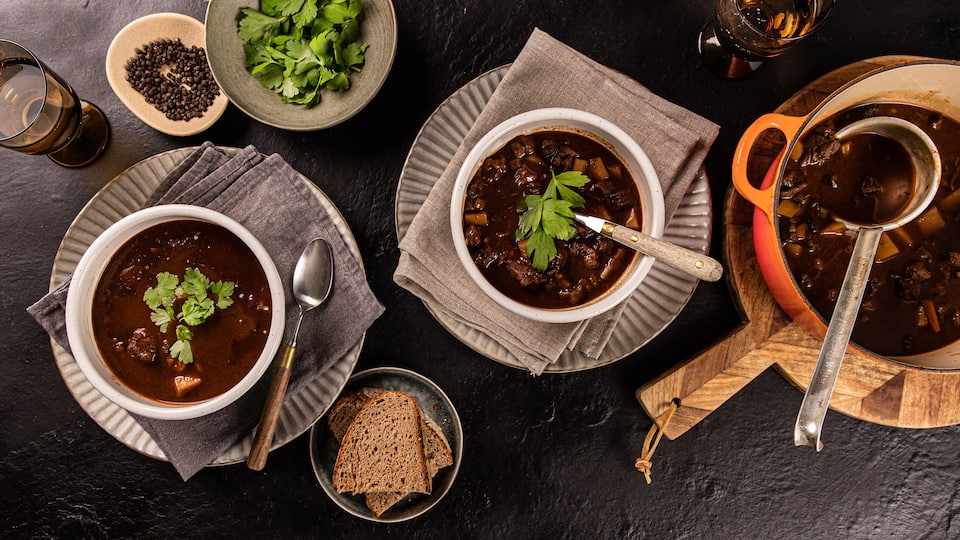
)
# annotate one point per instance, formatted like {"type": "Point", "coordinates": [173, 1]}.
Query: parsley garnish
{"type": "Point", "coordinates": [549, 217]}
{"type": "Point", "coordinates": [196, 308]}
{"type": "Point", "coordinates": [297, 47]}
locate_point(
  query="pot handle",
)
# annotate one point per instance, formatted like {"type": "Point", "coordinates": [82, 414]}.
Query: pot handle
{"type": "Point", "coordinates": [761, 197]}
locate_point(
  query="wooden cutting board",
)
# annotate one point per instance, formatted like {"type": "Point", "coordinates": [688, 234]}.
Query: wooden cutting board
{"type": "Point", "coordinates": [867, 389]}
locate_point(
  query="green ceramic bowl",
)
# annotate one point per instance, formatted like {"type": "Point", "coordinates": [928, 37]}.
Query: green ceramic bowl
{"type": "Point", "coordinates": [227, 62]}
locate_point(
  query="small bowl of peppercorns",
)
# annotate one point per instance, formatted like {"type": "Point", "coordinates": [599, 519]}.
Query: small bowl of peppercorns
{"type": "Point", "coordinates": [157, 66]}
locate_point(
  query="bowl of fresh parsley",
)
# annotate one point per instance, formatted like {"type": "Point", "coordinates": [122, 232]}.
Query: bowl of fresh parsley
{"type": "Point", "coordinates": [175, 311]}
{"type": "Point", "coordinates": [513, 205]}
{"type": "Point", "coordinates": [300, 65]}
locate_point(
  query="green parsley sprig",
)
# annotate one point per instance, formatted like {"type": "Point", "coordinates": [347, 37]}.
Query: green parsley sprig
{"type": "Point", "coordinates": [298, 47]}
{"type": "Point", "coordinates": [196, 308]}
{"type": "Point", "coordinates": [549, 217]}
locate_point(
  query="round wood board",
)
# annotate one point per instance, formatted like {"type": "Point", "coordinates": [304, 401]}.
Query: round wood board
{"type": "Point", "coordinates": [867, 389]}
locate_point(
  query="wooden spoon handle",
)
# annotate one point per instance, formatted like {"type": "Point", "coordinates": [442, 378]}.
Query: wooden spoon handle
{"type": "Point", "coordinates": [681, 258]}
{"type": "Point", "coordinates": [271, 411]}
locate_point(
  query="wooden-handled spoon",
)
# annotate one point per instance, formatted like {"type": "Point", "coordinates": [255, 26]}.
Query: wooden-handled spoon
{"type": "Point", "coordinates": [681, 258]}
{"type": "Point", "coordinates": [312, 282]}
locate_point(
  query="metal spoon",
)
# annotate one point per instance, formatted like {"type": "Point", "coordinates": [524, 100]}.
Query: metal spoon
{"type": "Point", "coordinates": [926, 164]}
{"type": "Point", "coordinates": [681, 258]}
{"type": "Point", "coordinates": [312, 282]}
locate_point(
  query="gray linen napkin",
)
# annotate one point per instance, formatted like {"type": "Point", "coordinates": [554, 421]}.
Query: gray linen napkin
{"type": "Point", "coordinates": [547, 73]}
{"type": "Point", "coordinates": [268, 197]}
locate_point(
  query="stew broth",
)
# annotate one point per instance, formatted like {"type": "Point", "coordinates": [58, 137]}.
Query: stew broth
{"type": "Point", "coordinates": [225, 347]}
{"type": "Point", "coordinates": [587, 265]}
{"type": "Point", "coordinates": [912, 300]}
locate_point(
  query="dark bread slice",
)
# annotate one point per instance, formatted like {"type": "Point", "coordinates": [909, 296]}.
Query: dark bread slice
{"type": "Point", "coordinates": [438, 455]}
{"type": "Point", "coordinates": [435, 446]}
{"type": "Point", "coordinates": [346, 408]}
{"type": "Point", "coordinates": [382, 449]}
{"type": "Point", "coordinates": [342, 414]}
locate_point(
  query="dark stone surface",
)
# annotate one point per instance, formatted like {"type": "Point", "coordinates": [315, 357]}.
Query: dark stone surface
{"type": "Point", "coordinates": [547, 457]}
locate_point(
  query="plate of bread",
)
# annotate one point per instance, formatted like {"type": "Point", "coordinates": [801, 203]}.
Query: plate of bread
{"type": "Point", "coordinates": [390, 446]}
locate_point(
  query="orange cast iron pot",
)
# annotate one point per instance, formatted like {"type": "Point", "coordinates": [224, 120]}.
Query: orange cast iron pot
{"type": "Point", "coordinates": [933, 84]}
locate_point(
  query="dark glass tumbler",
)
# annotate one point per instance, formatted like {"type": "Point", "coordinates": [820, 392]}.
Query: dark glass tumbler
{"type": "Point", "coordinates": [744, 33]}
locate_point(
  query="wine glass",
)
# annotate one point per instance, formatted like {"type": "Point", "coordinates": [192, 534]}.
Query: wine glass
{"type": "Point", "coordinates": [41, 114]}
{"type": "Point", "coordinates": [743, 33]}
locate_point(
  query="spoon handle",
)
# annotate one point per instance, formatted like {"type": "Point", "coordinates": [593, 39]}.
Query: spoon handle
{"type": "Point", "coordinates": [686, 260]}
{"type": "Point", "coordinates": [813, 409]}
{"type": "Point", "coordinates": [271, 411]}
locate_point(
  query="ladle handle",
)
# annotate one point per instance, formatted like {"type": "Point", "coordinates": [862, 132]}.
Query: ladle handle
{"type": "Point", "coordinates": [271, 411]}
{"type": "Point", "coordinates": [817, 399]}
{"type": "Point", "coordinates": [681, 258]}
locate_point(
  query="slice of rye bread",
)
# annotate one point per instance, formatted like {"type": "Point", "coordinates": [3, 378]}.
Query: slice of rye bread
{"type": "Point", "coordinates": [382, 450]}
{"type": "Point", "coordinates": [345, 409]}
{"type": "Point", "coordinates": [342, 413]}
{"type": "Point", "coordinates": [436, 447]}
{"type": "Point", "coordinates": [438, 456]}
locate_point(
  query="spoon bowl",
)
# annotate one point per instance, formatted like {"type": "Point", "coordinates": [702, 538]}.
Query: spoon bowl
{"type": "Point", "coordinates": [312, 283]}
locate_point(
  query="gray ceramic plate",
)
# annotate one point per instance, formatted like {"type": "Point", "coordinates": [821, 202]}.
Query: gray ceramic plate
{"type": "Point", "coordinates": [432, 400]}
{"type": "Point", "coordinates": [121, 196]}
{"type": "Point", "coordinates": [225, 54]}
{"type": "Point", "coordinates": [656, 302]}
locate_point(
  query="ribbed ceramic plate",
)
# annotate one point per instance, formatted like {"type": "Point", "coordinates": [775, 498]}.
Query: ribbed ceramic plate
{"type": "Point", "coordinates": [658, 300]}
{"type": "Point", "coordinates": [434, 402]}
{"type": "Point", "coordinates": [121, 196]}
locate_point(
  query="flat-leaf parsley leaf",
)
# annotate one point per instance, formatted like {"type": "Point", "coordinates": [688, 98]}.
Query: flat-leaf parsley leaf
{"type": "Point", "coordinates": [298, 47]}
{"type": "Point", "coordinates": [196, 305]}
{"type": "Point", "coordinates": [549, 217]}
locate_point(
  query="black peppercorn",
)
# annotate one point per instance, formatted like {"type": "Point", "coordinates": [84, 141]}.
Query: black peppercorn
{"type": "Point", "coordinates": [173, 78]}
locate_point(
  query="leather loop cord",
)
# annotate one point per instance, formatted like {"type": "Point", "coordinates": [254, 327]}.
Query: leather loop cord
{"type": "Point", "coordinates": [644, 463]}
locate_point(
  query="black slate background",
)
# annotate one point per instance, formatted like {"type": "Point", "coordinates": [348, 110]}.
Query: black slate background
{"type": "Point", "coordinates": [546, 457]}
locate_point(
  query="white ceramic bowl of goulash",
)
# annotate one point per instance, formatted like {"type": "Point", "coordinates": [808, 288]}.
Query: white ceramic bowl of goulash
{"type": "Point", "coordinates": [589, 274]}
{"type": "Point", "coordinates": [220, 295]}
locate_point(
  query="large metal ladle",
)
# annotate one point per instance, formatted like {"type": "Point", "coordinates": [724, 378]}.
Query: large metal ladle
{"type": "Point", "coordinates": [312, 283]}
{"type": "Point", "coordinates": [926, 165]}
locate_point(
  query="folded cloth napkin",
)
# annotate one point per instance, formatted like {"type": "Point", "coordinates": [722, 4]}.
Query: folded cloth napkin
{"type": "Point", "coordinates": [270, 199]}
{"type": "Point", "coordinates": [547, 73]}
